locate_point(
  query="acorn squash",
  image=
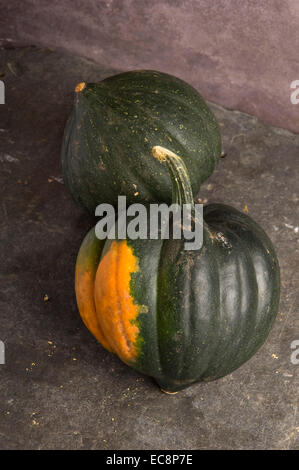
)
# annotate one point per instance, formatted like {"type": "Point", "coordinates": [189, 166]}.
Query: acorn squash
{"type": "Point", "coordinates": [108, 138]}
{"type": "Point", "coordinates": [181, 316]}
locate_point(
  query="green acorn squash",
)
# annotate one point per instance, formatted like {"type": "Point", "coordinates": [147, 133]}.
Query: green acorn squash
{"type": "Point", "coordinates": [108, 138]}
{"type": "Point", "coordinates": [181, 316]}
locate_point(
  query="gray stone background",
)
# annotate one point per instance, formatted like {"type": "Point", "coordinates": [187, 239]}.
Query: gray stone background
{"type": "Point", "coordinates": [242, 54]}
{"type": "Point", "coordinates": [59, 389]}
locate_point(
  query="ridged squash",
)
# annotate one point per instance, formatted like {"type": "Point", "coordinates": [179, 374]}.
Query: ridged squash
{"type": "Point", "coordinates": [107, 142]}
{"type": "Point", "coordinates": [181, 316]}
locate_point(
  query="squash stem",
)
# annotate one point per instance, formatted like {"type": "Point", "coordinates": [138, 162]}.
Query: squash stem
{"type": "Point", "coordinates": [181, 186]}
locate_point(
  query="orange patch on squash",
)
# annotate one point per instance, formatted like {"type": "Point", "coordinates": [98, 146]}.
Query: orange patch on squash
{"type": "Point", "coordinates": [84, 286]}
{"type": "Point", "coordinates": [115, 306]}
{"type": "Point", "coordinates": [80, 87]}
{"type": "Point", "coordinates": [85, 273]}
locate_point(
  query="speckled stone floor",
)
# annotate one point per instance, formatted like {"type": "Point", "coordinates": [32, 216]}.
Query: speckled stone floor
{"type": "Point", "coordinates": [59, 389]}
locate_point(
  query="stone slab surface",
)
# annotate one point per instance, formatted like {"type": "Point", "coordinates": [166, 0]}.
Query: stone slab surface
{"type": "Point", "coordinates": [59, 389]}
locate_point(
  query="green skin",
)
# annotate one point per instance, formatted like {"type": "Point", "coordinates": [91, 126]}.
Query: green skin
{"type": "Point", "coordinates": [114, 125]}
{"type": "Point", "coordinates": [209, 310]}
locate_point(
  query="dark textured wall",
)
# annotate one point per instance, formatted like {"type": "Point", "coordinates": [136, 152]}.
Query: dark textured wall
{"type": "Point", "coordinates": [243, 54]}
